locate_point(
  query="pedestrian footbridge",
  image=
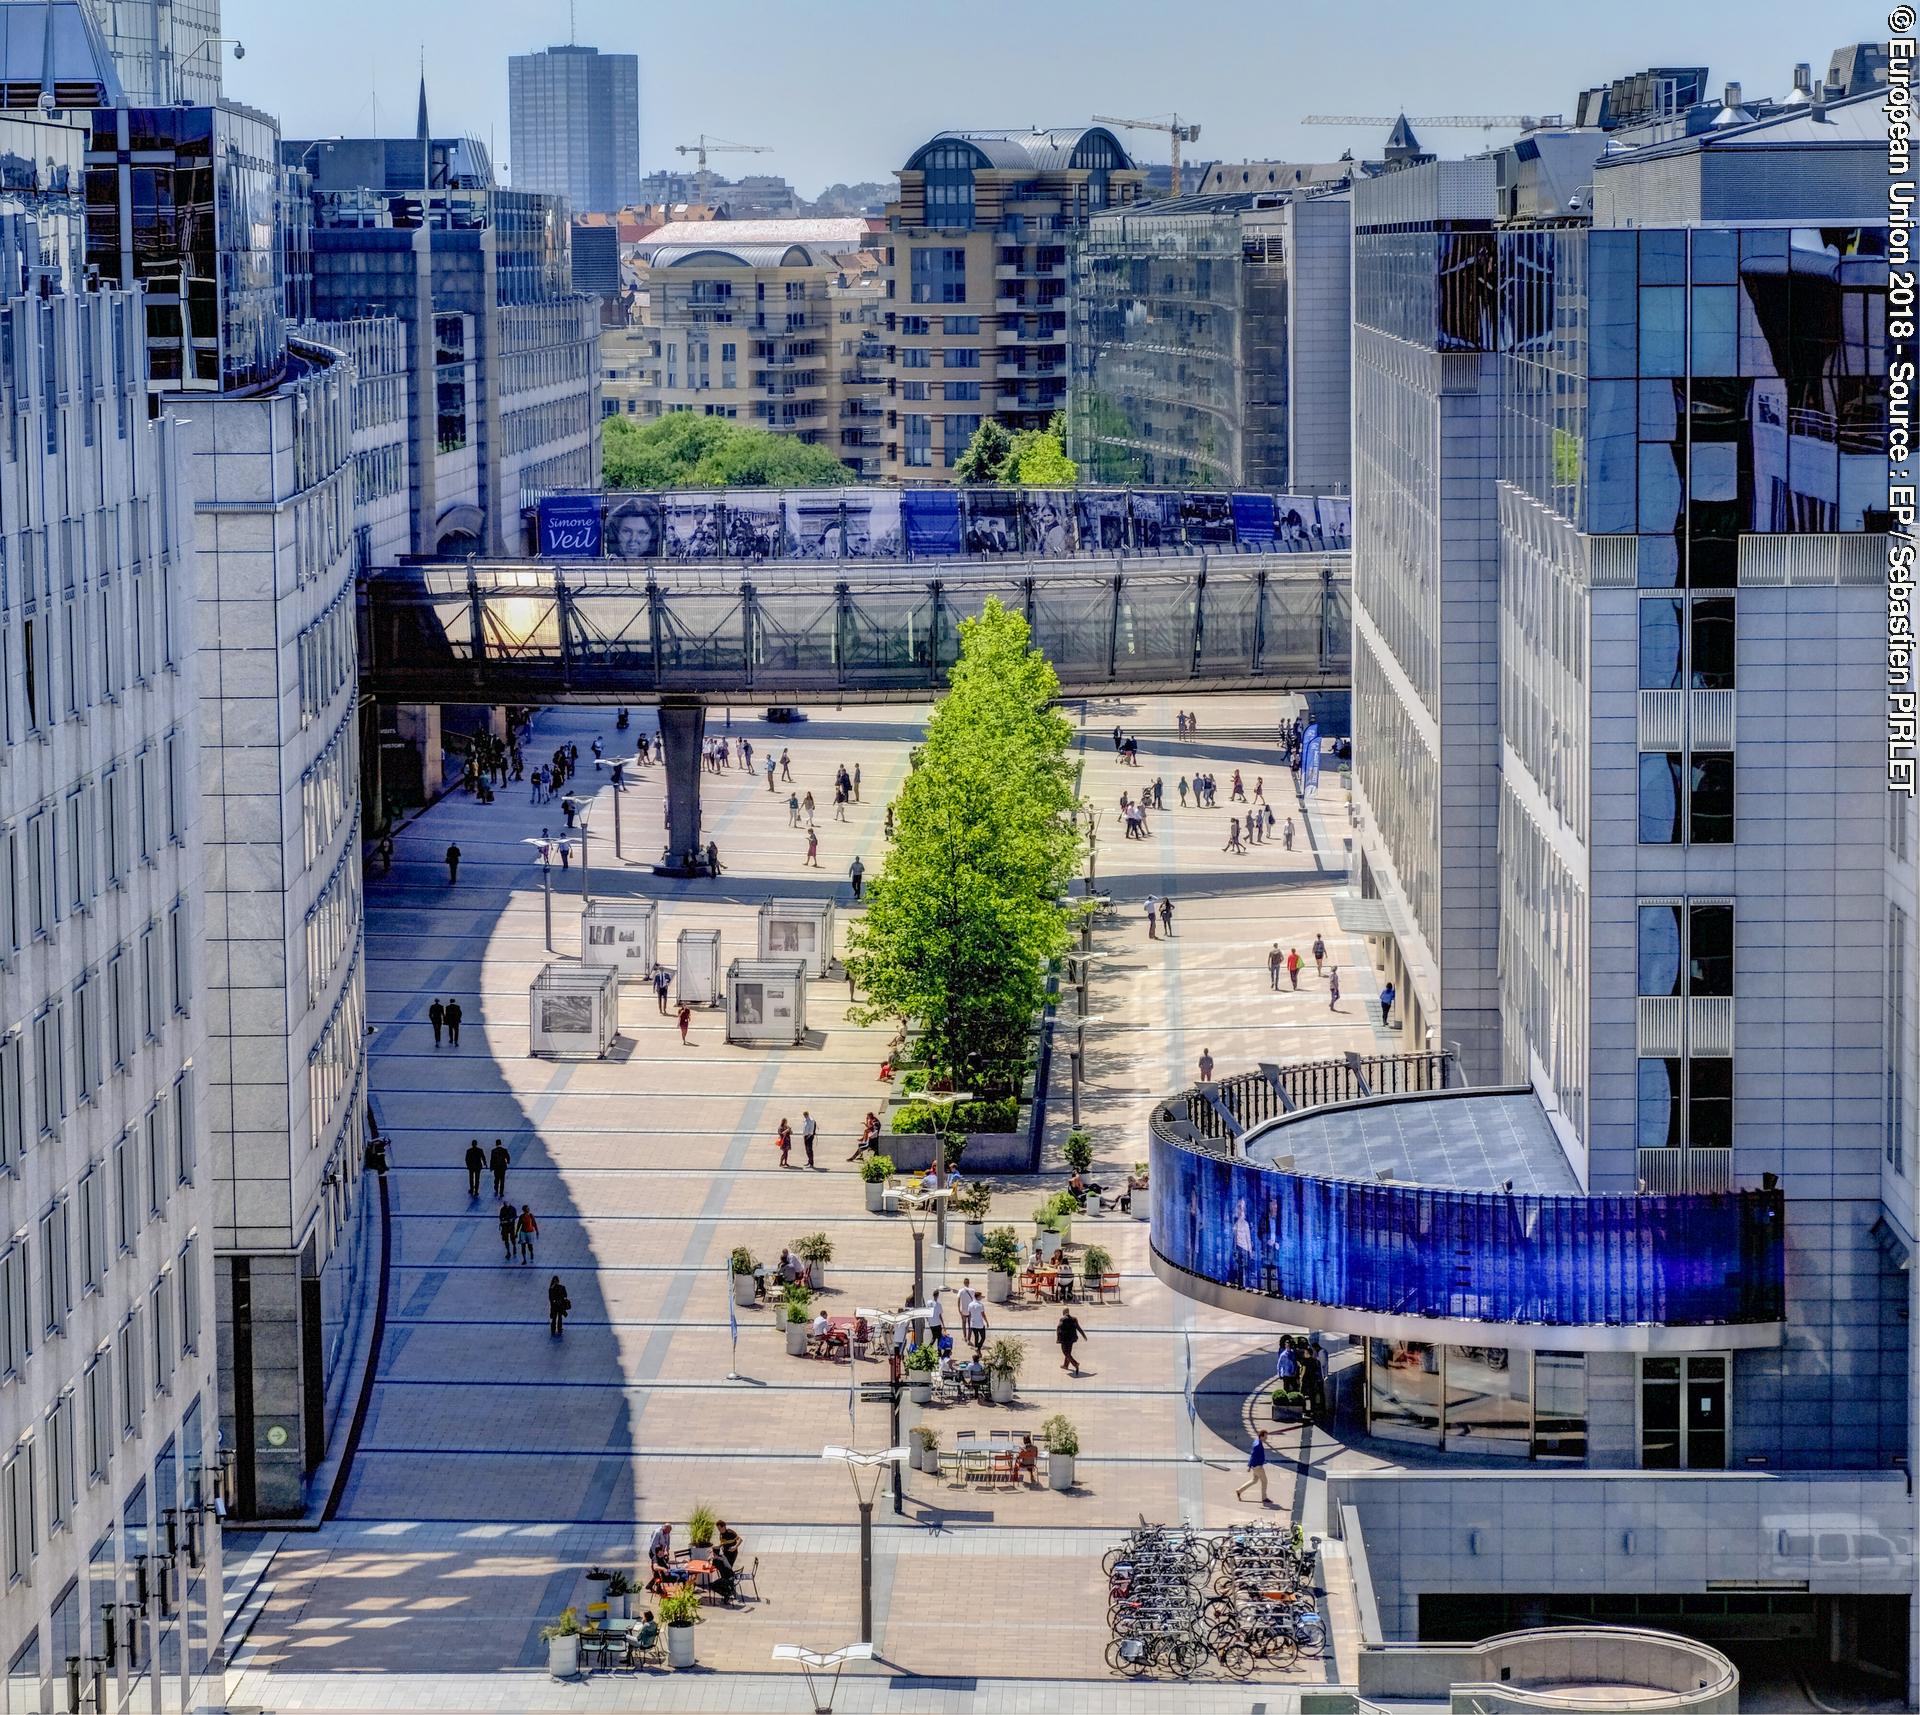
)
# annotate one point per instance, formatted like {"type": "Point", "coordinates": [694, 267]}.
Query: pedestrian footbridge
{"type": "Point", "coordinates": [552, 631]}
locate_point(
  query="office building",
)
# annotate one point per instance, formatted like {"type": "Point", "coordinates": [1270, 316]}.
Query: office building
{"type": "Point", "coordinates": [977, 263]}
{"type": "Point", "coordinates": [167, 52]}
{"type": "Point", "coordinates": [773, 323]}
{"type": "Point", "coordinates": [1620, 658]}
{"type": "Point", "coordinates": [575, 114]}
{"type": "Point", "coordinates": [110, 1459]}
{"type": "Point", "coordinates": [1212, 340]}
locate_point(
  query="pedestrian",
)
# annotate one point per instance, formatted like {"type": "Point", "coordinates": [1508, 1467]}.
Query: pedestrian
{"type": "Point", "coordinates": [1153, 933]}
{"type": "Point", "coordinates": [857, 875]}
{"type": "Point", "coordinates": [1239, 792]}
{"type": "Point", "coordinates": [1286, 834]}
{"type": "Point", "coordinates": [813, 849]}
{"type": "Point", "coordinates": [1387, 997]}
{"type": "Point", "coordinates": [509, 1228]}
{"type": "Point", "coordinates": [1319, 953]}
{"type": "Point", "coordinates": [686, 1018]}
{"type": "Point", "coordinates": [1182, 783]}
{"type": "Point", "coordinates": [529, 1231]}
{"type": "Point", "coordinates": [793, 809]}
{"type": "Point", "coordinates": [856, 782]}
{"type": "Point", "coordinates": [436, 1016]}
{"type": "Point", "coordinates": [1069, 1333]}
{"type": "Point", "coordinates": [1286, 1365]}
{"type": "Point", "coordinates": [497, 1162]}
{"type": "Point", "coordinates": [559, 1306]}
{"type": "Point", "coordinates": [783, 1139]}
{"type": "Point", "coordinates": [661, 982]}
{"type": "Point", "coordinates": [1257, 1464]}
{"type": "Point", "coordinates": [386, 854]}
{"type": "Point", "coordinates": [839, 803]}
{"type": "Point", "coordinates": [809, 1130]}
{"type": "Point", "coordinates": [1260, 789]}
{"type": "Point", "coordinates": [1293, 966]}
{"type": "Point", "coordinates": [1273, 966]}
{"type": "Point", "coordinates": [806, 804]}
{"type": "Point", "coordinates": [977, 1323]}
{"type": "Point", "coordinates": [1166, 915]}
{"type": "Point", "coordinates": [1333, 989]}
{"type": "Point", "coordinates": [453, 1016]}
{"type": "Point", "coordinates": [476, 1159]}
{"type": "Point", "coordinates": [1313, 1384]}
{"type": "Point", "coordinates": [1233, 837]}
{"type": "Point", "coordinates": [786, 765]}
{"type": "Point", "coordinates": [568, 809]}
{"type": "Point", "coordinates": [769, 774]}
{"type": "Point", "coordinates": [1206, 1065]}
{"type": "Point", "coordinates": [453, 865]}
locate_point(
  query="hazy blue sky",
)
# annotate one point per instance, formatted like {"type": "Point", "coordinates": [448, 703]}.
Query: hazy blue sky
{"type": "Point", "coordinates": [843, 89]}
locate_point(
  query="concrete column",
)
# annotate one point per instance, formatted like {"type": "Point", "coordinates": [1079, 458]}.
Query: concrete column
{"type": "Point", "coordinates": [683, 724]}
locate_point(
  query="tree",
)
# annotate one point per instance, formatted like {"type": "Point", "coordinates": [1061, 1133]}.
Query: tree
{"type": "Point", "coordinates": [684, 449]}
{"type": "Point", "coordinates": [987, 455]}
{"type": "Point", "coordinates": [965, 914]}
{"type": "Point", "coordinates": [1034, 458]}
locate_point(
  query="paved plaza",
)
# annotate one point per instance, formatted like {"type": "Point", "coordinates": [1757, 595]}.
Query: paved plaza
{"type": "Point", "coordinates": [497, 1463]}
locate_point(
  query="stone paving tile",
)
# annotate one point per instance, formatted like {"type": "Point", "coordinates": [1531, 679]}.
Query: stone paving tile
{"type": "Point", "coordinates": [498, 1463]}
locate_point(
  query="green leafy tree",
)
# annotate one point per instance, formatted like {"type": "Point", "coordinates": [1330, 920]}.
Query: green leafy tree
{"type": "Point", "coordinates": [987, 455]}
{"type": "Point", "coordinates": [965, 915]}
{"type": "Point", "coordinates": [684, 449]}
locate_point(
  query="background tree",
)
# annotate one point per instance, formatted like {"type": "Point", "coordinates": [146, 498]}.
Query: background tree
{"type": "Point", "coordinates": [684, 449]}
{"type": "Point", "coordinates": [986, 456]}
{"type": "Point", "coordinates": [965, 914]}
{"type": "Point", "coordinates": [1033, 458]}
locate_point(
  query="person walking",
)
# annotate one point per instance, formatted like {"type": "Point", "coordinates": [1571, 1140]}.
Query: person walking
{"type": "Point", "coordinates": [1319, 954]}
{"type": "Point", "coordinates": [453, 865]}
{"type": "Point", "coordinates": [1181, 785]}
{"type": "Point", "coordinates": [977, 1323]}
{"type": "Point", "coordinates": [498, 1161]}
{"type": "Point", "coordinates": [769, 774]}
{"type": "Point", "coordinates": [661, 983]}
{"type": "Point", "coordinates": [1166, 915]}
{"type": "Point", "coordinates": [453, 1016]}
{"type": "Point", "coordinates": [1257, 1465]}
{"type": "Point", "coordinates": [1069, 1333]}
{"type": "Point", "coordinates": [1153, 921]}
{"type": "Point", "coordinates": [1387, 997]}
{"type": "Point", "coordinates": [1293, 966]}
{"type": "Point", "coordinates": [857, 876]}
{"type": "Point", "coordinates": [793, 809]}
{"type": "Point", "coordinates": [529, 1231]}
{"type": "Point", "coordinates": [809, 1130]}
{"type": "Point", "coordinates": [1313, 1385]}
{"type": "Point", "coordinates": [476, 1159]}
{"type": "Point", "coordinates": [1233, 837]}
{"type": "Point", "coordinates": [1286, 834]}
{"type": "Point", "coordinates": [436, 1016]}
{"type": "Point", "coordinates": [559, 1307]}
{"type": "Point", "coordinates": [509, 1228]}
{"type": "Point", "coordinates": [813, 849]}
{"type": "Point", "coordinates": [783, 1139]}
{"type": "Point", "coordinates": [806, 804]}
{"type": "Point", "coordinates": [786, 765]}
{"type": "Point", "coordinates": [856, 782]}
{"type": "Point", "coordinates": [839, 803]}
{"type": "Point", "coordinates": [1273, 967]}
{"type": "Point", "coordinates": [1333, 989]}
{"type": "Point", "coordinates": [685, 1019]}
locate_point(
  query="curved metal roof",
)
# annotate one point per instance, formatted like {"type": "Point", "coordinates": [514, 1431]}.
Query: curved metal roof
{"type": "Point", "coordinates": [735, 255]}
{"type": "Point", "coordinates": [1049, 151]}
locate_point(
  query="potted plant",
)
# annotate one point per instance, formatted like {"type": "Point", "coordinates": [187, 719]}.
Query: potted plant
{"type": "Point", "coordinates": [1055, 1215]}
{"type": "Point", "coordinates": [680, 1613]}
{"type": "Point", "coordinates": [1078, 1149]}
{"type": "Point", "coordinates": [1289, 1405]}
{"type": "Point", "coordinates": [1003, 1360]}
{"type": "Point", "coordinates": [875, 1171]}
{"type": "Point", "coordinates": [926, 1449]}
{"type": "Point", "coordinates": [1063, 1446]}
{"type": "Point", "coordinates": [1096, 1263]}
{"type": "Point", "coordinates": [619, 1596]}
{"type": "Point", "coordinates": [1138, 1186]}
{"type": "Point", "coordinates": [599, 1575]}
{"type": "Point", "coordinates": [562, 1637]}
{"type": "Point", "coordinates": [1000, 1250]}
{"type": "Point", "coordinates": [816, 1251]}
{"type": "Point", "coordinates": [745, 1270]}
{"type": "Point", "coordinates": [921, 1363]}
{"type": "Point", "coordinates": [971, 1203]}
{"type": "Point", "coordinates": [796, 1313]}
{"type": "Point", "coordinates": [702, 1522]}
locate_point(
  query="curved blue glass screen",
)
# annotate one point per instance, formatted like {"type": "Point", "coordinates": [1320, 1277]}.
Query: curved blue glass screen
{"type": "Point", "coordinates": [1476, 1256]}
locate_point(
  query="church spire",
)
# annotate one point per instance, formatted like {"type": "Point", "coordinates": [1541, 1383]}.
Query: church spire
{"type": "Point", "coordinates": [420, 130]}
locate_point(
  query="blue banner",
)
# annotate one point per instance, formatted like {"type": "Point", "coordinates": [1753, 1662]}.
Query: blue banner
{"type": "Point", "coordinates": [570, 527]}
{"type": "Point", "coordinates": [1253, 520]}
{"type": "Point", "coordinates": [1310, 758]}
{"type": "Point", "coordinates": [931, 520]}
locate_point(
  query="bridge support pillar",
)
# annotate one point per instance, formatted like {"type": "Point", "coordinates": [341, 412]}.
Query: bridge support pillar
{"type": "Point", "coordinates": [683, 725]}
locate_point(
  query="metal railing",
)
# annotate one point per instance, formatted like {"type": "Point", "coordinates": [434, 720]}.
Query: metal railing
{"type": "Point", "coordinates": [1226, 1109]}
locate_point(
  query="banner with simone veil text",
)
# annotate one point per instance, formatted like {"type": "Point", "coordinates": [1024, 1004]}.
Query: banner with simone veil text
{"type": "Point", "coordinates": [570, 527]}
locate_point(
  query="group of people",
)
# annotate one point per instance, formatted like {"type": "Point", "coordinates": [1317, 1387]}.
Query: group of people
{"type": "Point", "coordinates": [664, 1573]}
{"type": "Point", "coordinates": [491, 762]}
{"type": "Point", "coordinates": [1159, 907]}
{"type": "Point", "coordinates": [445, 1015]}
{"type": "Point", "coordinates": [721, 753]}
{"type": "Point", "coordinates": [1126, 747]}
{"type": "Point", "coordinates": [1189, 724]}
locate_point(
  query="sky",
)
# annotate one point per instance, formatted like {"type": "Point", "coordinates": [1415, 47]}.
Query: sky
{"type": "Point", "coordinates": [844, 90]}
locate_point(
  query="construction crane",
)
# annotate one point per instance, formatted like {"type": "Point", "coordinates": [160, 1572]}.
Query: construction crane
{"type": "Point", "coordinates": [716, 146]}
{"type": "Point", "coordinates": [1442, 121]}
{"type": "Point", "coordinates": [1173, 128]}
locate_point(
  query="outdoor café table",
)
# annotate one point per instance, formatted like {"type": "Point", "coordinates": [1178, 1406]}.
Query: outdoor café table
{"type": "Point", "coordinates": [1042, 1279]}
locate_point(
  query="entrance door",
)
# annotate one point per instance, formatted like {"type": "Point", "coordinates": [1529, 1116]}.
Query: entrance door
{"type": "Point", "coordinates": [1684, 1412]}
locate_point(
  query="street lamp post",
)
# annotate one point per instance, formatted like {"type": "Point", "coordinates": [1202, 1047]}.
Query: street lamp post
{"type": "Point", "coordinates": [812, 1662]}
{"type": "Point", "coordinates": [943, 1098]}
{"type": "Point", "coordinates": [866, 1470]}
{"type": "Point", "coordinates": [918, 1206]}
{"type": "Point", "coordinates": [580, 808]}
{"type": "Point", "coordinates": [544, 849]}
{"type": "Point", "coordinates": [1077, 1055]}
{"type": "Point", "coordinates": [618, 764]}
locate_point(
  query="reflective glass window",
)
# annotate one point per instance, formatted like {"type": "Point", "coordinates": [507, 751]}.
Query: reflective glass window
{"type": "Point", "coordinates": [1712, 334]}
{"type": "Point", "coordinates": [1709, 798]}
{"type": "Point", "coordinates": [1711, 643]}
{"type": "Point", "coordinates": [1559, 1405]}
{"type": "Point", "coordinates": [1612, 348]}
{"type": "Point", "coordinates": [1714, 257]}
{"type": "Point", "coordinates": [1709, 949]}
{"type": "Point", "coordinates": [1660, 643]}
{"type": "Point", "coordinates": [1659, 940]}
{"type": "Point", "coordinates": [1612, 446]}
{"type": "Point", "coordinates": [1403, 1390]}
{"type": "Point", "coordinates": [1659, 488]}
{"type": "Point", "coordinates": [1663, 258]}
{"type": "Point", "coordinates": [1660, 1113]}
{"type": "Point", "coordinates": [1710, 1104]}
{"type": "Point", "coordinates": [1663, 326]}
{"type": "Point", "coordinates": [1487, 1406]}
{"type": "Point", "coordinates": [1660, 799]}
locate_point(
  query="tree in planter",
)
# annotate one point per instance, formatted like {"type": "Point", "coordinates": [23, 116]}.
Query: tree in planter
{"type": "Point", "coordinates": [923, 1359]}
{"type": "Point", "coordinates": [743, 1261]}
{"type": "Point", "coordinates": [815, 1250]}
{"type": "Point", "coordinates": [681, 1608]}
{"type": "Point", "coordinates": [1061, 1437]}
{"type": "Point", "coordinates": [1078, 1149]}
{"type": "Point", "coordinates": [566, 1626]}
{"type": "Point", "coordinates": [972, 1201]}
{"type": "Point", "coordinates": [877, 1169]}
{"type": "Point", "coordinates": [1097, 1263]}
{"type": "Point", "coordinates": [701, 1524]}
{"type": "Point", "coordinates": [965, 915]}
{"type": "Point", "coordinates": [1000, 1250]}
{"type": "Point", "coordinates": [1005, 1356]}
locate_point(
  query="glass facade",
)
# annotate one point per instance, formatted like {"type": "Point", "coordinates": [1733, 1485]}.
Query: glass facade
{"type": "Point", "coordinates": [1470, 1256]}
{"type": "Point", "coordinates": [1180, 357]}
{"type": "Point", "coordinates": [1490, 1401]}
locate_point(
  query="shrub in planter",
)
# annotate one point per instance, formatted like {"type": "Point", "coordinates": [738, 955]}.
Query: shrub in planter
{"type": "Point", "coordinates": [797, 1315]}
{"type": "Point", "coordinates": [562, 1638]}
{"type": "Point", "coordinates": [875, 1171]}
{"type": "Point", "coordinates": [926, 1448]}
{"type": "Point", "coordinates": [816, 1251]}
{"type": "Point", "coordinates": [1097, 1261]}
{"type": "Point", "coordinates": [921, 1363]}
{"type": "Point", "coordinates": [1003, 1360]}
{"type": "Point", "coordinates": [956, 1119]}
{"type": "Point", "coordinates": [1287, 1403]}
{"type": "Point", "coordinates": [1078, 1149]}
{"type": "Point", "coordinates": [680, 1613]}
{"type": "Point", "coordinates": [972, 1201]}
{"type": "Point", "coordinates": [1000, 1251]}
{"type": "Point", "coordinates": [745, 1268]}
{"type": "Point", "coordinates": [1063, 1447]}
{"type": "Point", "coordinates": [743, 1261]}
{"type": "Point", "coordinates": [620, 1589]}
{"type": "Point", "coordinates": [701, 1524]}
